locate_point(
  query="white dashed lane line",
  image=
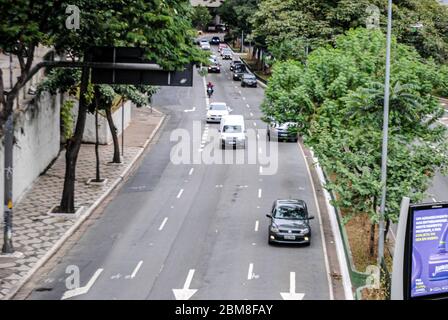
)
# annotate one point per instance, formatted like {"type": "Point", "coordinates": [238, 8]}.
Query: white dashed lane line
{"type": "Point", "coordinates": [163, 223]}
{"type": "Point", "coordinates": [259, 193]}
{"type": "Point", "coordinates": [180, 193]}
{"type": "Point", "coordinates": [256, 225]}
{"type": "Point", "coordinates": [250, 272]}
{"type": "Point", "coordinates": [137, 268]}
{"type": "Point", "coordinates": [191, 171]}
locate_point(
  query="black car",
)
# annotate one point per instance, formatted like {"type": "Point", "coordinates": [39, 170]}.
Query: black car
{"type": "Point", "coordinates": [290, 222]}
{"type": "Point", "coordinates": [282, 131]}
{"type": "Point", "coordinates": [238, 72]}
{"type": "Point", "coordinates": [235, 63]}
{"type": "Point", "coordinates": [249, 80]}
{"type": "Point", "coordinates": [214, 67]}
{"type": "Point", "coordinates": [215, 41]}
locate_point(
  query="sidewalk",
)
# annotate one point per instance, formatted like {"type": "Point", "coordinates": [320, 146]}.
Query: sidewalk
{"type": "Point", "coordinates": [38, 235]}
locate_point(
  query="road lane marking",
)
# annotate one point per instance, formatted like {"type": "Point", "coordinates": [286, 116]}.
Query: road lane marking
{"type": "Point", "coordinates": [163, 223]}
{"type": "Point", "coordinates": [191, 171]}
{"type": "Point", "coordinates": [82, 290]}
{"type": "Point", "coordinates": [259, 193]}
{"type": "Point", "coordinates": [250, 271]}
{"type": "Point", "coordinates": [251, 114]}
{"type": "Point", "coordinates": [137, 268]}
{"type": "Point", "coordinates": [180, 193]}
{"type": "Point", "coordinates": [256, 225]}
{"type": "Point", "coordinates": [434, 199]}
{"type": "Point", "coordinates": [244, 98]}
{"type": "Point", "coordinates": [185, 293]}
{"type": "Point", "coordinates": [255, 124]}
{"type": "Point", "coordinates": [292, 294]}
{"type": "Point", "coordinates": [247, 105]}
{"type": "Point", "coordinates": [324, 245]}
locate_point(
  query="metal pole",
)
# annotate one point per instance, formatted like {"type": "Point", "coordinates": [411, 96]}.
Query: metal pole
{"type": "Point", "coordinates": [242, 41]}
{"type": "Point", "coordinates": [8, 172]}
{"type": "Point", "coordinates": [385, 138]}
{"type": "Point", "coordinates": [122, 128]}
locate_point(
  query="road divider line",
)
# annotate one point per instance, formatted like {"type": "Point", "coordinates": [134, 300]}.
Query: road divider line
{"type": "Point", "coordinates": [259, 193]}
{"type": "Point", "coordinates": [137, 268]}
{"type": "Point", "coordinates": [191, 171]}
{"type": "Point", "coordinates": [251, 114]}
{"type": "Point", "coordinates": [256, 225]}
{"type": "Point", "coordinates": [250, 272]}
{"type": "Point", "coordinates": [247, 105]}
{"type": "Point", "coordinates": [261, 169]}
{"type": "Point", "coordinates": [163, 224]}
{"type": "Point", "coordinates": [180, 193]}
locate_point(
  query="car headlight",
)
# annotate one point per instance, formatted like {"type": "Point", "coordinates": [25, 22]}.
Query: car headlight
{"type": "Point", "coordinates": [274, 228]}
{"type": "Point", "coordinates": [305, 230]}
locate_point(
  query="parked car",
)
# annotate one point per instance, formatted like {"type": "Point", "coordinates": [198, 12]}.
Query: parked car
{"type": "Point", "coordinates": [216, 111]}
{"type": "Point", "coordinates": [214, 67]}
{"type": "Point", "coordinates": [222, 46]}
{"type": "Point", "coordinates": [282, 131]}
{"type": "Point", "coordinates": [215, 40]}
{"type": "Point", "coordinates": [235, 63]}
{"type": "Point", "coordinates": [226, 54]}
{"type": "Point", "coordinates": [290, 222]}
{"type": "Point", "coordinates": [238, 72]}
{"type": "Point", "coordinates": [221, 27]}
{"type": "Point", "coordinates": [233, 131]}
{"type": "Point", "coordinates": [249, 80]}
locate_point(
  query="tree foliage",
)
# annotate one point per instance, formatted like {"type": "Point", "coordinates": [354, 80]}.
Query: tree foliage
{"type": "Point", "coordinates": [337, 99]}
{"type": "Point", "coordinates": [201, 17]}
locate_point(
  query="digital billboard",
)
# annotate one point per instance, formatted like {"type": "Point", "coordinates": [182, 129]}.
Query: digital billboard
{"type": "Point", "coordinates": [428, 252]}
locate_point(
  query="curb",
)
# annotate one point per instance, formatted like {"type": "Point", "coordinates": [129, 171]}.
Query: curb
{"type": "Point", "coordinates": [83, 217]}
{"type": "Point", "coordinates": [343, 263]}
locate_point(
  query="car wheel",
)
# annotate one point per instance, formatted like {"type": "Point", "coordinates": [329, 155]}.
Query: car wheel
{"type": "Point", "coordinates": [270, 242]}
{"type": "Point", "coordinates": [269, 136]}
{"type": "Point", "coordinates": [242, 84]}
{"type": "Point", "coordinates": [223, 145]}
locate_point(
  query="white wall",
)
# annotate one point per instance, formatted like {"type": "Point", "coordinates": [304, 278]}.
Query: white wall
{"type": "Point", "coordinates": [104, 135]}
{"type": "Point", "coordinates": [37, 131]}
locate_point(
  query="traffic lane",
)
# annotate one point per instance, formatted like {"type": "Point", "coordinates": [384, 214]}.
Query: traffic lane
{"type": "Point", "coordinates": [96, 246]}
{"type": "Point", "coordinates": [438, 190]}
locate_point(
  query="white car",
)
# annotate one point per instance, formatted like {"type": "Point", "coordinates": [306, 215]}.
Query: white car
{"type": "Point", "coordinates": [216, 111]}
{"type": "Point", "coordinates": [205, 45]}
{"type": "Point", "coordinates": [232, 131]}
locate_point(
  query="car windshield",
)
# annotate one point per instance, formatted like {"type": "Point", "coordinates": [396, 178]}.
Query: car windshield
{"type": "Point", "coordinates": [218, 107]}
{"type": "Point", "coordinates": [231, 129]}
{"type": "Point", "coordinates": [250, 77]}
{"type": "Point", "coordinates": [290, 212]}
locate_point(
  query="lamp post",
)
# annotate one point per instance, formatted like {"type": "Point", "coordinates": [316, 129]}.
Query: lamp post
{"type": "Point", "coordinates": [385, 137]}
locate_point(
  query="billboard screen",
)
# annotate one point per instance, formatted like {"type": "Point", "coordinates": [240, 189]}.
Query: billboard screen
{"type": "Point", "coordinates": [428, 251]}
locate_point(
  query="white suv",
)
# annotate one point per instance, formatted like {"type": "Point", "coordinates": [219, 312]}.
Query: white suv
{"type": "Point", "coordinates": [216, 111]}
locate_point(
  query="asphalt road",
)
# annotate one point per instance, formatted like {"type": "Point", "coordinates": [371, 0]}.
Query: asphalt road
{"type": "Point", "coordinates": [196, 226]}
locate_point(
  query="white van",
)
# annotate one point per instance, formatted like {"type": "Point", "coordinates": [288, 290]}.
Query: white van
{"type": "Point", "coordinates": [232, 131]}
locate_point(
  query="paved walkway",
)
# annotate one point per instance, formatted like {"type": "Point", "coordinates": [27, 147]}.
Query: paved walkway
{"type": "Point", "coordinates": [35, 232]}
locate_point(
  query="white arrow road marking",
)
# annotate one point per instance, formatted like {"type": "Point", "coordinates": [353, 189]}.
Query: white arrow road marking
{"type": "Point", "coordinates": [82, 290]}
{"type": "Point", "coordinates": [292, 295]}
{"type": "Point", "coordinates": [163, 223]}
{"type": "Point", "coordinates": [190, 110]}
{"type": "Point", "coordinates": [185, 293]}
{"type": "Point", "coordinates": [134, 273]}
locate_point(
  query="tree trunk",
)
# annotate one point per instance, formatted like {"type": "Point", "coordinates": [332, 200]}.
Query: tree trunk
{"type": "Point", "coordinates": [372, 240]}
{"type": "Point", "coordinates": [97, 144]}
{"type": "Point", "coordinates": [386, 230]}
{"type": "Point", "coordinates": [113, 131]}
{"type": "Point", "coordinates": [67, 204]}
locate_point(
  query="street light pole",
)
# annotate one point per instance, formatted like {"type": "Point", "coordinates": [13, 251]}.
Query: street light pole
{"type": "Point", "coordinates": [385, 137]}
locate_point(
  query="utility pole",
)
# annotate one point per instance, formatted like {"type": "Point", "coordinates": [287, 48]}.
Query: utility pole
{"type": "Point", "coordinates": [8, 172]}
{"type": "Point", "coordinates": [385, 138]}
{"type": "Point", "coordinates": [242, 41]}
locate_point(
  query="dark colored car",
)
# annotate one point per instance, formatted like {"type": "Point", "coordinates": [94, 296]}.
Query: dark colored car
{"type": "Point", "coordinates": [290, 222]}
{"type": "Point", "coordinates": [214, 67]}
{"type": "Point", "coordinates": [235, 63]}
{"type": "Point", "coordinates": [215, 41]}
{"type": "Point", "coordinates": [282, 131]}
{"type": "Point", "coordinates": [249, 80]}
{"type": "Point", "coordinates": [226, 54]}
{"type": "Point", "coordinates": [238, 72]}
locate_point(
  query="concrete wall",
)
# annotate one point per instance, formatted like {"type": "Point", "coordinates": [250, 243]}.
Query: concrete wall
{"type": "Point", "coordinates": [37, 131]}
{"type": "Point", "coordinates": [104, 135]}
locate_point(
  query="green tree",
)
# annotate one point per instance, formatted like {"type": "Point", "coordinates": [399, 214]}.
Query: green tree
{"type": "Point", "coordinates": [201, 17]}
{"type": "Point", "coordinates": [337, 99]}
